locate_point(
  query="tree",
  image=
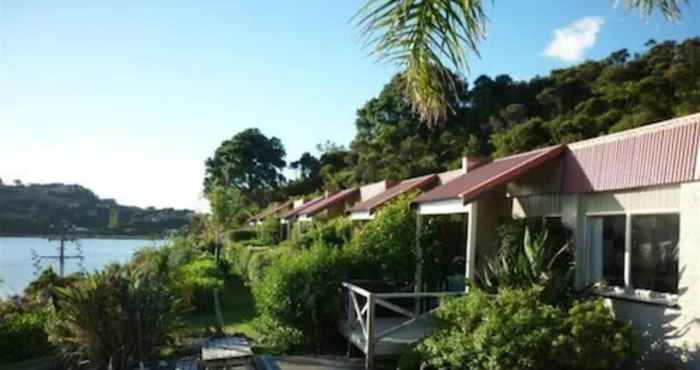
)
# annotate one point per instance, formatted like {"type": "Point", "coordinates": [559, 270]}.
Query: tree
{"type": "Point", "coordinates": [250, 162]}
{"type": "Point", "coordinates": [426, 38]}
{"type": "Point", "coordinates": [307, 165]}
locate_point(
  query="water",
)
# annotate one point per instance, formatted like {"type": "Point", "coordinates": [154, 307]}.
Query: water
{"type": "Point", "coordinates": [17, 268]}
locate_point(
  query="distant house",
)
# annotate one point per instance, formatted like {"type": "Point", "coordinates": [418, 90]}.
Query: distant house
{"type": "Point", "coordinates": [330, 206]}
{"type": "Point", "coordinates": [364, 210]}
{"type": "Point", "coordinates": [273, 211]}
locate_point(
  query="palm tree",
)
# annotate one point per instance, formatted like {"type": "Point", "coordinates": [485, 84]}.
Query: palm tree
{"type": "Point", "coordinates": [427, 37]}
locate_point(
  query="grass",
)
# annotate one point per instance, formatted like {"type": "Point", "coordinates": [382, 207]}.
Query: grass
{"type": "Point", "coordinates": [238, 308]}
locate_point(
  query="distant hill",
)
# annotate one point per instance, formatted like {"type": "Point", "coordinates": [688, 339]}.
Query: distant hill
{"type": "Point", "coordinates": [32, 209]}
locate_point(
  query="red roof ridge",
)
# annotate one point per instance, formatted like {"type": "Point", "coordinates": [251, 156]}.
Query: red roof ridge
{"type": "Point", "coordinates": [328, 201]}
{"type": "Point", "coordinates": [388, 194]}
{"type": "Point", "coordinates": [302, 207]}
{"type": "Point", "coordinates": [658, 126]}
{"type": "Point", "coordinates": [546, 153]}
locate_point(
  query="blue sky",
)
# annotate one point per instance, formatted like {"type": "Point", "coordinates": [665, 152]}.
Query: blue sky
{"type": "Point", "coordinates": [129, 98]}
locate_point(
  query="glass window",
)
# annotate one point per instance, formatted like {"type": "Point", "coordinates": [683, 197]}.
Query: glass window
{"type": "Point", "coordinates": [613, 248]}
{"type": "Point", "coordinates": [607, 238]}
{"type": "Point", "coordinates": [655, 252]}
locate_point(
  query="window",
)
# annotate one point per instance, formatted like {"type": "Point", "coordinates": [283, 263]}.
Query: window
{"type": "Point", "coordinates": [649, 244]}
{"type": "Point", "coordinates": [655, 252]}
{"type": "Point", "coordinates": [608, 244]}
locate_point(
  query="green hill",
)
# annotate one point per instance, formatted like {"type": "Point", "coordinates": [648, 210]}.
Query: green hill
{"type": "Point", "coordinates": [32, 209]}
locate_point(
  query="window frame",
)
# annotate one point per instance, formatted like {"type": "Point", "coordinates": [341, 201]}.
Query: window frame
{"type": "Point", "coordinates": [628, 291]}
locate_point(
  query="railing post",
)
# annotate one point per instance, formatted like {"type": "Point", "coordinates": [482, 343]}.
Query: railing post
{"type": "Point", "coordinates": [349, 313]}
{"type": "Point", "coordinates": [419, 263]}
{"type": "Point", "coordinates": [369, 339]}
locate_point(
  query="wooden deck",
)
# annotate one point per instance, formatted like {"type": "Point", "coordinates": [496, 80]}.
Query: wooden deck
{"type": "Point", "coordinates": [384, 334]}
{"type": "Point", "coordinates": [394, 343]}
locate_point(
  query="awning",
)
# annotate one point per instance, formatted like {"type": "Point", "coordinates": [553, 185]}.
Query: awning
{"type": "Point", "coordinates": [472, 184]}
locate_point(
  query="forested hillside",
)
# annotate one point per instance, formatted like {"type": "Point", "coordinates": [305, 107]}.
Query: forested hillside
{"type": "Point", "coordinates": [497, 116]}
{"type": "Point", "coordinates": [32, 209]}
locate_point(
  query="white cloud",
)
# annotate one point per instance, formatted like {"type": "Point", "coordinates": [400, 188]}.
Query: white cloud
{"type": "Point", "coordinates": [571, 42]}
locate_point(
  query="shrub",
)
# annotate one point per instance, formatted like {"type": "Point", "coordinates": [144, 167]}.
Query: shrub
{"type": "Point", "coordinates": [270, 231]}
{"type": "Point", "coordinates": [239, 235]}
{"type": "Point", "coordinates": [301, 293]}
{"type": "Point", "coordinates": [387, 243]}
{"type": "Point", "coordinates": [113, 316]}
{"type": "Point", "coordinates": [300, 290]}
{"type": "Point", "coordinates": [22, 336]}
{"type": "Point", "coordinates": [258, 264]}
{"type": "Point", "coordinates": [515, 330]}
{"type": "Point", "coordinates": [334, 233]}
{"type": "Point", "coordinates": [531, 255]}
{"type": "Point", "coordinates": [197, 280]}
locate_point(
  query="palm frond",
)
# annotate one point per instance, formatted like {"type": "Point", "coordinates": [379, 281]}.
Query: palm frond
{"type": "Point", "coordinates": [671, 9]}
{"type": "Point", "coordinates": [425, 38]}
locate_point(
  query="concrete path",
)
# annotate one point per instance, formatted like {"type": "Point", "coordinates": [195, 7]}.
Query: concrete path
{"type": "Point", "coordinates": [307, 363]}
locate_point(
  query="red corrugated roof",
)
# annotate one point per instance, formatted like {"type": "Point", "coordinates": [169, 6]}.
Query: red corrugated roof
{"type": "Point", "coordinates": [490, 175]}
{"type": "Point", "coordinates": [329, 202]}
{"type": "Point", "coordinates": [304, 206]}
{"type": "Point", "coordinates": [662, 153]}
{"type": "Point", "coordinates": [401, 188]}
{"type": "Point", "coordinates": [270, 211]}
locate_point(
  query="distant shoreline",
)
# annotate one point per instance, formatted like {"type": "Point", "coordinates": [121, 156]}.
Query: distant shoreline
{"type": "Point", "coordinates": [90, 236]}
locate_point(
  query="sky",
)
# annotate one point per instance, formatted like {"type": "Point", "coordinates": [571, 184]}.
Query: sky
{"type": "Point", "coordinates": [129, 98]}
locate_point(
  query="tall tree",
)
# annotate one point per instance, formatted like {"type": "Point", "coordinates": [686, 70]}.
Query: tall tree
{"type": "Point", "coordinates": [250, 162]}
{"type": "Point", "coordinates": [426, 38]}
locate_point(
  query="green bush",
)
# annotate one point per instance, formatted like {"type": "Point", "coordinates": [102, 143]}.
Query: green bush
{"type": "Point", "coordinates": [334, 233]}
{"type": "Point", "coordinates": [196, 282]}
{"type": "Point", "coordinates": [301, 293]}
{"type": "Point", "coordinates": [300, 290]}
{"type": "Point", "coordinates": [515, 330]}
{"type": "Point", "coordinates": [270, 231]}
{"type": "Point", "coordinates": [532, 254]}
{"type": "Point", "coordinates": [114, 317]}
{"type": "Point", "coordinates": [239, 235]}
{"type": "Point", "coordinates": [387, 243]}
{"type": "Point", "coordinates": [22, 336]}
{"type": "Point", "coordinates": [258, 264]}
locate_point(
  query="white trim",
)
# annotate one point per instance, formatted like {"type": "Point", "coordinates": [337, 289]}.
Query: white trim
{"type": "Point", "coordinates": [361, 216]}
{"type": "Point", "coordinates": [638, 295]}
{"type": "Point", "coordinates": [635, 212]}
{"type": "Point", "coordinates": [470, 266]}
{"type": "Point", "coordinates": [443, 207]}
{"type": "Point", "coordinates": [305, 218]}
{"type": "Point", "coordinates": [628, 252]}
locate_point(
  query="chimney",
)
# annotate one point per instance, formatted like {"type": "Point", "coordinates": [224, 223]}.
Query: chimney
{"type": "Point", "coordinates": [298, 203]}
{"type": "Point", "coordinates": [469, 163]}
{"type": "Point", "coordinates": [325, 194]}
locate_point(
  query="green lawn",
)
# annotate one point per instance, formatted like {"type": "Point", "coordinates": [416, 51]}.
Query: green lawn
{"type": "Point", "coordinates": [238, 309]}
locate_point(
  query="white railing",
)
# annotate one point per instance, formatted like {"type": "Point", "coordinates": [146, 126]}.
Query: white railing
{"type": "Point", "coordinates": [361, 311]}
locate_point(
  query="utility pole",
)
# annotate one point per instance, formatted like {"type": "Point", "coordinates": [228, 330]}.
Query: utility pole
{"type": "Point", "coordinates": [66, 234]}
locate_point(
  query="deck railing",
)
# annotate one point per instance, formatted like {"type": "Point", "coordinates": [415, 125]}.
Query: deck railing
{"type": "Point", "coordinates": [362, 307]}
